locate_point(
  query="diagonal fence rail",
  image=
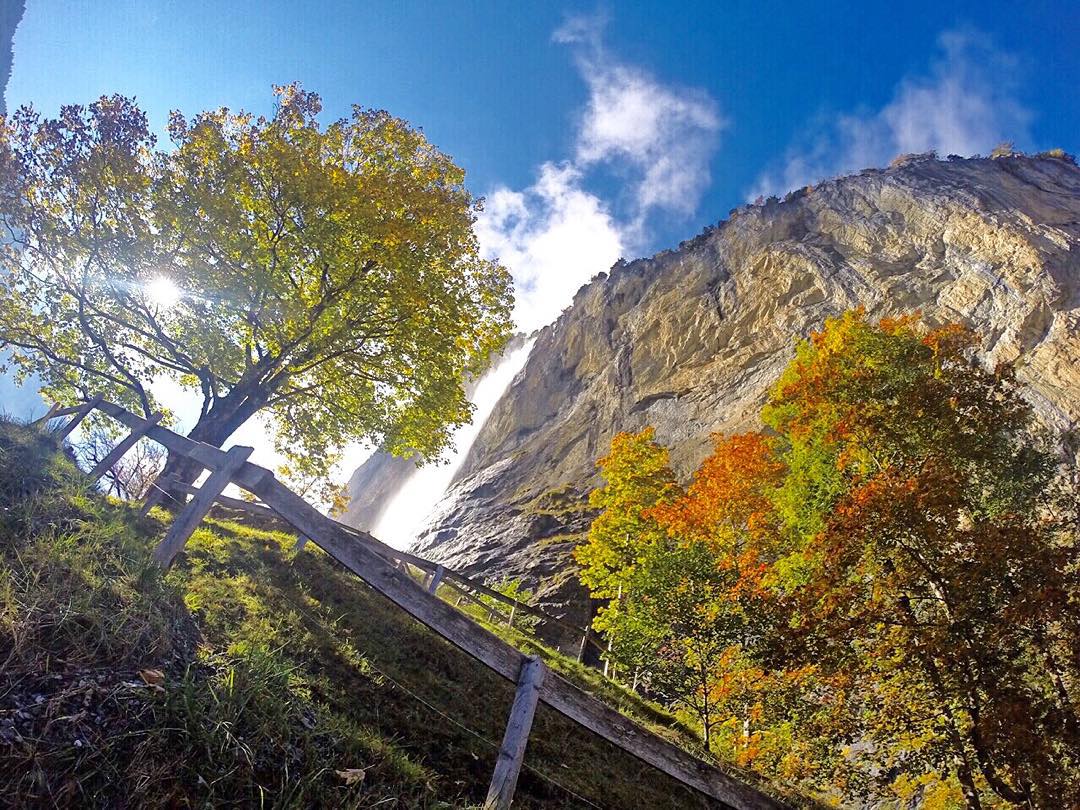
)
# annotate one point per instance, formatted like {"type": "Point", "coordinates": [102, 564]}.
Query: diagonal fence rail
{"type": "Point", "coordinates": [381, 568]}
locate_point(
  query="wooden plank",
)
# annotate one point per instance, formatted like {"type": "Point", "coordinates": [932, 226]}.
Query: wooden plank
{"type": "Point", "coordinates": [233, 503]}
{"type": "Point", "coordinates": [516, 737]}
{"type": "Point", "coordinates": [436, 578]}
{"type": "Point", "coordinates": [52, 413]}
{"type": "Point", "coordinates": [600, 718]}
{"type": "Point", "coordinates": [81, 413]}
{"type": "Point", "coordinates": [475, 585]}
{"type": "Point", "coordinates": [251, 508]}
{"type": "Point", "coordinates": [513, 603]}
{"type": "Point", "coordinates": [192, 514]}
{"type": "Point", "coordinates": [380, 573]}
{"type": "Point", "coordinates": [402, 556]}
{"type": "Point", "coordinates": [452, 575]}
{"type": "Point", "coordinates": [122, 447]}
{"type": "Point", "coordinates": [157, 492]}
{"type": "Point", "coordinates": [211, 457]}
{"type": "Point", "coordinates": [500, 656]}
{"type": "Point", "coordinates": [464, 594]}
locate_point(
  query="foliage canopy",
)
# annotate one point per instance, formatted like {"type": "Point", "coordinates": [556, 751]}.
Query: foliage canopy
{"type": "Point", "coordinates": [879, 595]}
{"type": "Point", "coordinates": [328, 275]}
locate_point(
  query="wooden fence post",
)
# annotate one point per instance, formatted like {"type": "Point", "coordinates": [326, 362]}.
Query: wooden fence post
{"type": "Point", "coordinates": [301, 541]}
{"type": "Point", "coordinates": [156, 493]}
{"type": "Point", "coordinates": [374, 563]}
{"type": "Point", "coordinates": [510, 621]}
{"type": "Point", "coordinates": [44, 420]}
{"type": "Point", "coordinates": [80, 414]}
{"type": "Point", "coordinates": [584, 644]}
{"type": "Point", "coordinates": [192, 514]}
{"type": "Point", "coordinates": [436, 578]}
{"type": "Point", "coordinates": [122, 447]}
{"type": "Point", "coordinates": [512, 752]}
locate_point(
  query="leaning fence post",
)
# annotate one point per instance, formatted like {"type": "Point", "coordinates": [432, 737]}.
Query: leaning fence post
{"type": "Point", "coordinates": [122, 447]}
{"type": "Point", "coordinates": [192, 514]}
{"type": "Point", "coordinates": [436, 578]}
{"type": "Point", "coordinates": [512, 751]}
{"type": "Point", "coordinates": [80, 414]}
{"type": "Point", "coordinates": [157, 492]}
{"type": "Point", "coordinates": [44, 420]}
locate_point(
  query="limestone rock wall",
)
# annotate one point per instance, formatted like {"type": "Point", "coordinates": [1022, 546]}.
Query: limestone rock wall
{"type": "Point", "coordinates": [690, 340]}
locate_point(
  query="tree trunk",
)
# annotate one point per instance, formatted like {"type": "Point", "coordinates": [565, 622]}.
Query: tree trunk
{"type": "Point", "coordinates": [964, 772]}
{"type": "Point", "coordinates": [214, 428]}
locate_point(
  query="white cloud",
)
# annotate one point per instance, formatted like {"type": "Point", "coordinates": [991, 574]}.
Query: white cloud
{"type": "Point", "coordinates": [964, 103]}
{"type": "Point", "coordinates": [556, 234]}
{"type": "Point", "coordinates": [664, 133]}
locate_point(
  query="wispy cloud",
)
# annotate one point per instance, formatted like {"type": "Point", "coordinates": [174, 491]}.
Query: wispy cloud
{"type": "Point", "coordinates": [554, 236]}
{"type": "Point", "coordinates": [557, 234]}
{"type": "Point", "coordinates": [964, 103]}
{"type": "Point", "coordinates": [667, 134]}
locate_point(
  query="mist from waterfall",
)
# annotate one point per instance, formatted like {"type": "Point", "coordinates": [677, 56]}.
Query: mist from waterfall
{"type": "Point", "coordinates": [413, 503]}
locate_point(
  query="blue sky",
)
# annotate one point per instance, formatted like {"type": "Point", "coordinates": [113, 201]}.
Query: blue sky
{"type": "Point", "coordinates": [490, 85]}
{"type": "Point", "coordinates": [594, 131]}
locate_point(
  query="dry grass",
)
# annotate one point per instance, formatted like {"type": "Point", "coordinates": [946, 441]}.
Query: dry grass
{"type": "Point", "coordinates": [248, 675]}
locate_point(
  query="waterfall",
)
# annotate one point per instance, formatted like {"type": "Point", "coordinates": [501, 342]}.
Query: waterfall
{"type": "Point", "coordinates": [416, 499]}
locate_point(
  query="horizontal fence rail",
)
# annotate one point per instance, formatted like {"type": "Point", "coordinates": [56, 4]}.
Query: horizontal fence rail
{"type": "Point", "coordinates": [458, 581]}
{"type": "Point", "coordinates": [381, 568]}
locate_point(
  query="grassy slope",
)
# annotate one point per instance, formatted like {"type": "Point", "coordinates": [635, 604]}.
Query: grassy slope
{"type": "Point", "coordinates": [280, 670]}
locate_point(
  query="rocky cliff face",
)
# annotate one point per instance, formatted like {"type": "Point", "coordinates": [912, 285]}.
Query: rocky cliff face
{"type": "Point", "coordinates": [690, 340]}
{"type": "Point", "coordinates": [374, 483]}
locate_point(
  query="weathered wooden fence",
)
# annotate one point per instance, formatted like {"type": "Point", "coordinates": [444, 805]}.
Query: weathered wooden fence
{"type": "Point", "coordinates": [380, 567]}
{"type": "Point", "coordinates": [434, 574]}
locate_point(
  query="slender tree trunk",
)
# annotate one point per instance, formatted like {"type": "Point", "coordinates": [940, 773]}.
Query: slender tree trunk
{"type": "Point", "coordinates": [964, 772]}
{"type": "Point", "coordinates": [706, 710]}
{"type": "Point", "coordinates": [967, 784]}
{"type": "Point", "coordinates": [214, 428]}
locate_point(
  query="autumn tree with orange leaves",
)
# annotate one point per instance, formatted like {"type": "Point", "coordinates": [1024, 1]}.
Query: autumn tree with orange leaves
{"type": "Point", "coordinates": [889, 576]}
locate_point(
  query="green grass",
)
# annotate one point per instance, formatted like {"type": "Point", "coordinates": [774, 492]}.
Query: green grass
{"type": "Point", "coordinates": [250, 675]}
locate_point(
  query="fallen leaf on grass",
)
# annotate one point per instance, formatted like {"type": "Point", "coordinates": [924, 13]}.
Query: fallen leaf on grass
{"type": "Point", "coordinates": [351, 776]}
{"type": "Point", "coordinates": [153, 677]}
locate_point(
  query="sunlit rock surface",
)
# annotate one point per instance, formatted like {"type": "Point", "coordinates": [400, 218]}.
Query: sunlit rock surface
{"type": "Point", "coordinates": [690, 340]}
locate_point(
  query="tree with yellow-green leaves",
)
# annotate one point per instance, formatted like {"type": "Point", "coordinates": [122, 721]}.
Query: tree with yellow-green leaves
{"type": "Point", "coordinates": [326, 276]}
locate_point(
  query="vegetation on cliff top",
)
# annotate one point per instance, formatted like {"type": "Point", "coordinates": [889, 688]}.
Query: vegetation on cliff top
{"type": "Point", "coordinates": [877, 598]}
